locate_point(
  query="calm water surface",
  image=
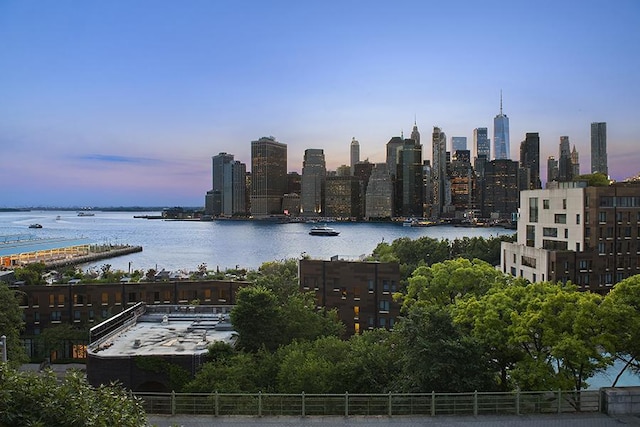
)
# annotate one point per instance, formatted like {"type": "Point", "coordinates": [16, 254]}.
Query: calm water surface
{"type": "Point", "coordinates": [177, 245]}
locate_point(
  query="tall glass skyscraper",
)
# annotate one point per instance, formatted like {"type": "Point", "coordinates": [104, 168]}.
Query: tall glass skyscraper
{"type": "Point", "coordinates": [501, 146]}
{"type": "Point", "coordinates": [314, 172]}
{"type": "Point", "coordinates": [355, 154]}
{"type": "Point", "coordinates": [481, 143]}
{"type": "Point", "coordinates": [599, 148]}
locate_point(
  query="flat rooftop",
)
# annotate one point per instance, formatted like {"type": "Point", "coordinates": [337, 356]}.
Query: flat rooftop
{"type": "Point", "coordinates": [24, 246]}
{"type": "Point", "coordinates": [167, 331]}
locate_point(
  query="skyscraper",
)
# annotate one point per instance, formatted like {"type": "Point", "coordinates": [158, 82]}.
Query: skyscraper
{"type": "Point", "coordinates": [411, 178]}
{"type": "Point", "coordinates": [379, 193]}
{"type": "Point", "coordinates": [481, 143]}
{"type": "Point", "coordinates": [268, 176]}
{"type": "Point", "coordinates": [393, 146]}
{"type": "Point", "coordinates": [552, 169]}
{"type": "Point", "coordinates": [575, 162]}
{"type": "Point", "coordinates": [355, 154]}
{"type": "Point", "coordinates": [565, 170]}
{"type": "Point", "coordinates": [501, 147]}
{"type": "Point", "coordinates": [415, 135]}
{"type": "Point", "coordinates": [313, 180]}
{"type": "Point", "coordinates": [438, 171]}
{"type": "Point", "coordinates": [458, 143]}
{"type": "Point", "coordinates": [227, 195]}
{"type": "Point", "coordinates": [530, 159]}
{"type": "Point", "coordinates": [599, 148]}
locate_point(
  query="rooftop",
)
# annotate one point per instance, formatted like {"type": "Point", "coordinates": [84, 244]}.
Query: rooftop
{"type": "Point", "coordinates": [162, 331]}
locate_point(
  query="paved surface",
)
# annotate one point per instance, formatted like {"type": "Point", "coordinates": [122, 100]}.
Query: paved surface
{"type": "Point", "coordinates": [563, 420]}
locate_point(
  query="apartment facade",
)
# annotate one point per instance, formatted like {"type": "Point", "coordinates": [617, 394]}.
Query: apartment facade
{"type": "Point", "coordinates": [587, 235]}
{"type": "Point", "coordinates": [360, 291]}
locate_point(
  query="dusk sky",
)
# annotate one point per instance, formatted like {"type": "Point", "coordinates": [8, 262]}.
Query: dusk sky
{"type": "Point", "coordinates": [120, 103]}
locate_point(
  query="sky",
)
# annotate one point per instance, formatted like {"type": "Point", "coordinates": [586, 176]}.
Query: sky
{"type": "Point", "coordinates": [124, 102]}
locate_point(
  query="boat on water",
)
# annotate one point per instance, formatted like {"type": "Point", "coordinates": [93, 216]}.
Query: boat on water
{"type": "Point", "coordinates": [323, 230]}
{"type": "Point", "coordinates": [35, 226]}
{"type": "Point", "coordinates": [86, 214]}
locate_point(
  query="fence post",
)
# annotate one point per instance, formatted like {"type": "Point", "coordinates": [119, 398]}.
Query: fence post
{"type": "Point", "coordinates": [559, 401]}
{"type": "Point", "coordinates": [475, 403]}
{"type": "Point", "coordinates": [259, 403]}
{"type": "Point", "coordinates": [304, 413]}
{"type": "Point", "coordinates": [390, 410]}
{"type": "Point", "coordinates": [433, 403]}
{"type": "Point", "coordinates": [518, 401]}
{"type": "Point", "coordinates": [346, 403]}
{"type": "Point", "coordinates": [216, 410]}
{"type": "Point", "coordinates": [173, 402]}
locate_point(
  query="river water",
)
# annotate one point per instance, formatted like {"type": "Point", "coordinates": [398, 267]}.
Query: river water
{"type": "Point", "coordinates": [183, 245]}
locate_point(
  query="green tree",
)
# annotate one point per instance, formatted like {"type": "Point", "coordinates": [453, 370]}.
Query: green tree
{"type": "Point", "coordinates": [30, 399]}
{"type": "Point", "coordinates": [436, 356]}
{"type": "Point", "coordinates": [562, 333]}
{"type": "Point", "coordinates": [373, 361]}
{"type": "Point", "coordinates": [257, 319]}
{"type": "Point", "coordinates": [31, 274]}
{"type": "Point", "coordinates": [11, 324]}
{"type": "Point", "coordinates": [595, 179]}
{"type": "Point", "coordinates": [622, 320]}
{"type": "Point", "coordinates": [444, 283]}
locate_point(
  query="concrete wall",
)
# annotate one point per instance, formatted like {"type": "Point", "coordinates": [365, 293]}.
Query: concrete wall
{"type": "Point", "coordinates": [621, 400]}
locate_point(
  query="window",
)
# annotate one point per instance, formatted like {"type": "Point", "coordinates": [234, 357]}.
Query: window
{"type": "Point", "coordinates": [356, 312]}
{"type": "Point", "coordinates": [564, 203]}
{"type": "Point", "coordinates": [545, 204]}
{"type": "Point", "coordinates": [118, 296]}
{"type": "Point", "coordinates": [131, 297]}
{"type": "Point", "coordinates": [52, 300]}
{"type": "Point", "coordinates": [356, 328]}
{"type": "Point", "coordinates": [384, 306]}
{"type": "Point", "coordinates": [78, 299]}
{"type": "Point", "coordinates": [566, 233]}
{"type": "Point", "coordinates": [577, 218]}
{"type": "Point", "coordinates": [550, 232]}
{"type": "Point", "coordinates": [61, 300]}
{"type": "Point", "coordinates": [105, 298]}
{"type": "Point", "coordinates": [222, 295]}
{"type": "Point", "coordinates": [35, 301]}
{"type": "Point", "coordinates": [577, 246]}
{"type": "Point", "coordinates": [601, 248]}
{"type": "Point", "coordinates": [531, 235]}
{"type": "Point", "coordinates": [36, 316]}
{"type": "Point", "coordinates": [528, 261]}
{"type": "Point", "coordinates": [356, 293]}
{"type": "Point", "coordinates": [513, 271]}
{"type": "Point", "coordinates": [56, 316]}
{"type": "Point", "coordinates": [602, 216]}
{"type": "Point", "coordinates": [76, 315]}
{"type": "Point", "coordinates": [370, 286]}
{"type": "Point", "coordinates": [207, 294]}
{"type": "Point", "coordinates": [560, 218]}
{"type": "Point", "coordinates": [382, 322]}
{"type": "Point", "coordinates": [533, 209]}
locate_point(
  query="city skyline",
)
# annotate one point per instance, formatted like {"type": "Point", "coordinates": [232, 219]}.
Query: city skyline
{"type": "Point", "coordinates": [126, 103]}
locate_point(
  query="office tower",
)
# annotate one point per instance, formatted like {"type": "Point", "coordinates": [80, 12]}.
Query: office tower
{"type": "Point", "coordinates": [501, 195]}
{"type": "Point", "coordinates": [268, 176]}
{"type": "Point", "coordinates": [363, 173]}
{"type": "Point", "coordinates": [227, 195]}
{"type": "Point", "coordinates": [379, 196]}
{"type": "Point", "coordinates": [314, 172]}
{"type": "Point", "coordinates": [410, 179]}
{"type": "Point", "coordinates": [342, 197]}
{"type": "Point", "coordinates": [575, 162]}
{"type": "Point", "coordinates": [462, 181]}
{"type": "Point", "coordinates": [501, 147]}
{"type": "Point", "coordinates": [438, 171]}
{"type": "Point", "coordinates": [530, 159]}
{"type": "Point", "coordinates": [458, 143]}
{"type": "Point", "coordinates": [343, 170]}
{"type": "Point", "coordinates": [426, 186]}
{"type": "Point", "coordinates": [355, 154]}
{"type": "Point", "coordinates": [599, 148]}
{"type": "Point", "coordinates": [393, 146]}
{"type": "Point", "coordinates": [415, 135]}
{"type": "Point", "coordinates": [294, 183]}
{"type": "Point", "coordinates": [552, 169]}
{"type": "Point", "coordinates": [481, 143]}
{"type": "Point", "coordinates": [565, 169]}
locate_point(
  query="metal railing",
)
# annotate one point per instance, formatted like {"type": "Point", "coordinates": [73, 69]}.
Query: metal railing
{"type": "Point", "coordinates": [390, 404]}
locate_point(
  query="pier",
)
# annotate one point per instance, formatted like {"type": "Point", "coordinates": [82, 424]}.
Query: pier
{"type": "Point", "coordinates": [102, 253]}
